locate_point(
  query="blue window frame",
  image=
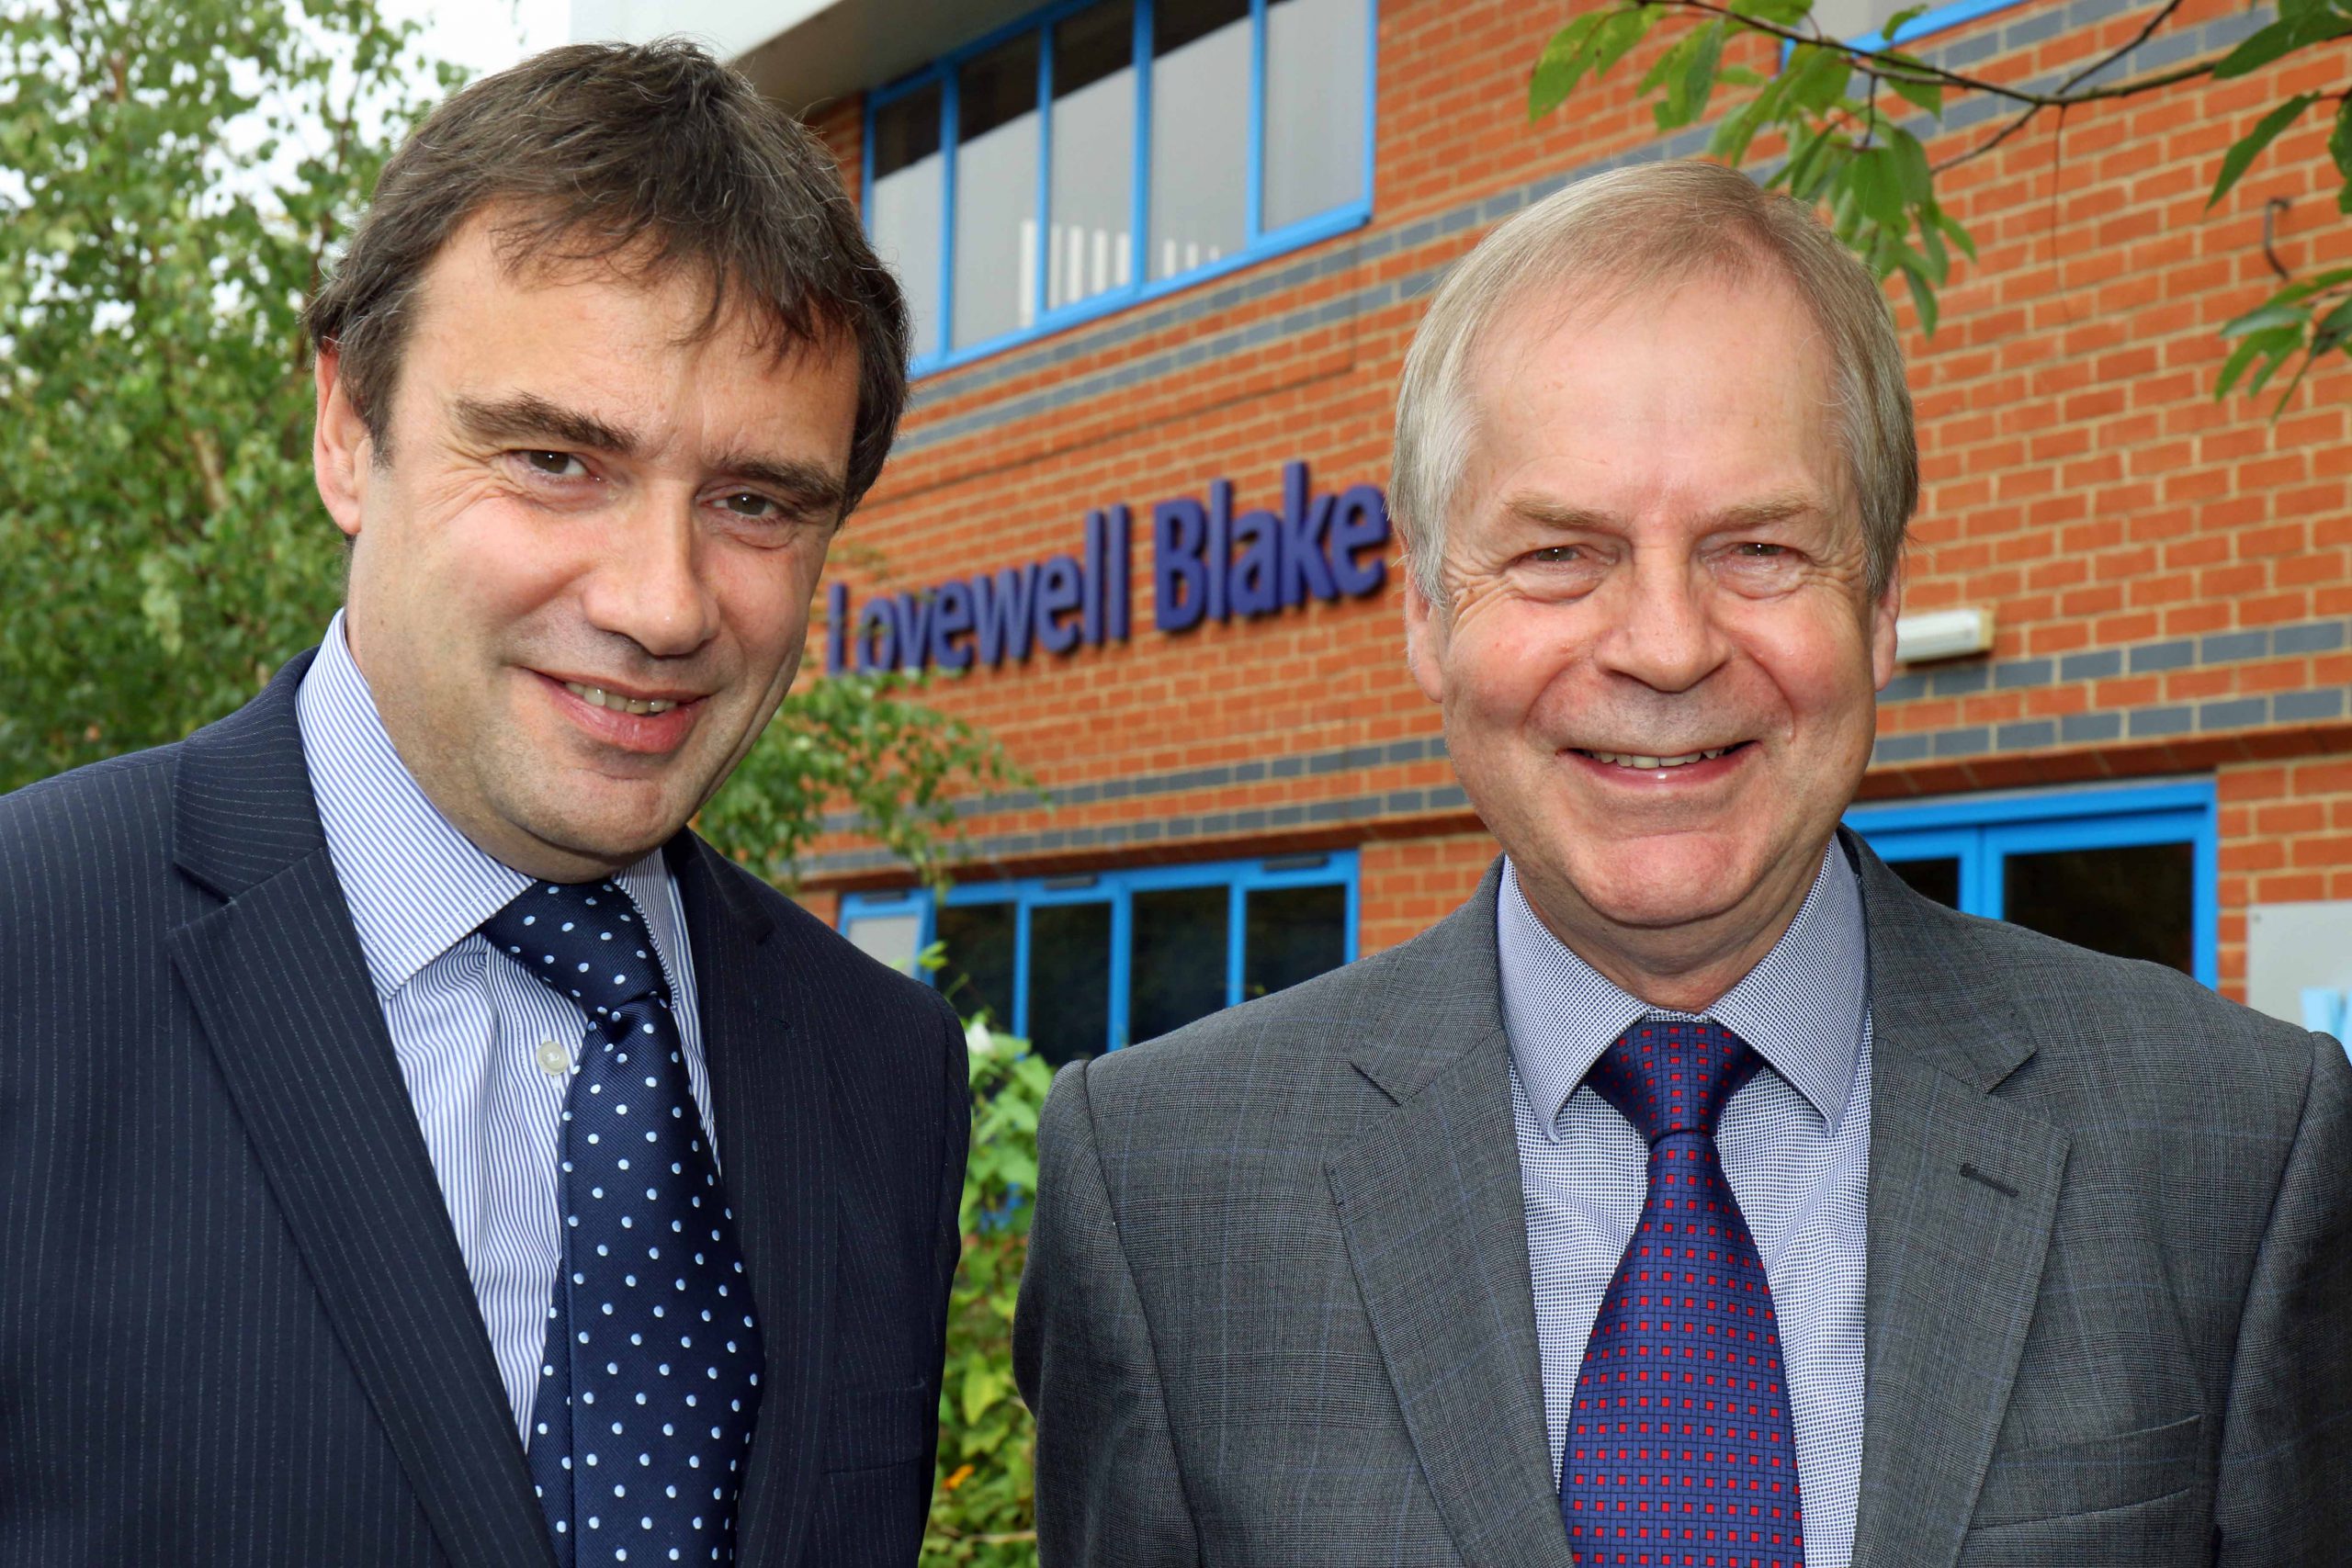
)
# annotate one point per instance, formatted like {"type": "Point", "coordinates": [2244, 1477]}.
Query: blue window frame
{"type": "Point", "coordinates": [2127, 868]}
{"type": "Point", "coordinates": [1861, 22]}
{"type": "Point", "coordinates": [1295, 185]}
{"type": "Point", "coordinates": [1094, 961]}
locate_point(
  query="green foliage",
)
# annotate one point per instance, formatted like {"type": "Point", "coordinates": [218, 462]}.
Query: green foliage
{"type": "Point", "coordinates": [1838, 112]}
{"type": "Point", "coordinates": [895, 763]}
{"type": "Point", "coordinates": [170, 176]}
{"type": "Point", "coordinates": [171, 179]}
{"type": "Point", "coordinates": [982, 1508]}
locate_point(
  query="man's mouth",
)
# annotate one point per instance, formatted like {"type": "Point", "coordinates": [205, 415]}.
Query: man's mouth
{"type": "Point", "coordinates": [597, 696]}
{"type": "Point", "coordinates": [1645, 762]}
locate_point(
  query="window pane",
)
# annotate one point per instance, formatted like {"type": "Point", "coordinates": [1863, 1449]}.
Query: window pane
{"type": "Point", "coordinates": [1294, 934]}
{"type": "Point", "coordinates": [1199, 133]}
{"type": "Point", "coordinates": [1939, 879]}
{"type": "Point", "coordinates": [996, 192]}
{"type": "Point", "coordinates": [1093, 154]}
{"type": "Point", "coordinates": [2134, 902]}
{"type": "Point", "coordinates": [1315, 111]}
{"type": "Point", "coordinates": [976, 945]}
{"type": "Point", "coordinates": [1069, 980]}
{"type": "Point", "coordinates": [908, 205]}
{"type": "Point", "coordinates": [887, 939]}
{"type": "Point", "coordinates": [1176, 968]}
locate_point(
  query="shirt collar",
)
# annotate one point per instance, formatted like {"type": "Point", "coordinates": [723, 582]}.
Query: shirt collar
{"type": "Point", "coordinates": [1802, 1007]}
{"type": "Point", "coordinates": [416, 885]}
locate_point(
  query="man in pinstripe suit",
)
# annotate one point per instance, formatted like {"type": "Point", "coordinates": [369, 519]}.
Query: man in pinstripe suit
{"type": "Point", "coordinates": [1697, 1193]}
{"type": "Point", "coordinates": [284, 1134]}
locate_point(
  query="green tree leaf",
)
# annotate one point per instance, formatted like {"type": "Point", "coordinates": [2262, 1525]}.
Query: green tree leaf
{"type": "Point", "coordinates": [2281, 38]}
{"type": "Point", "coordinates": [2249, 147]}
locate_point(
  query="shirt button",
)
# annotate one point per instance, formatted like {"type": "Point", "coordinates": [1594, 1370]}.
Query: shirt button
{"type": "Point", "coordinates": [554, 1060]}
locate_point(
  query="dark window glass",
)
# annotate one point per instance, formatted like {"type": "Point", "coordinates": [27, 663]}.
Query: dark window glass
{"type": "Point", "coordinates": [1939, 879]}
{"type": "Point", "coordinates": [1091, 246]}
{"type": "Point", "coordinates": [1294, 934]}
{"type": "Point", "coordinates": [2134, 901]}
{"type": "Point", "coordinates": [1200, 133]}
{"type": "Point", "coordinates": [908, 205]}
{"type": "Point", "coordinates": [976, 943]}
{"type": "Point", "coordinates": [996, 191]}
{"type": "Point", "coordinates": [1176, 968]}
{"type": "Point", "coordinates": [1069, 980]}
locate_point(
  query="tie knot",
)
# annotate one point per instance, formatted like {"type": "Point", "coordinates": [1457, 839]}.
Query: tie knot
{"type": "Point", "coordinates": [1673, 1074]}
{"type": "Point", "coordinates": [584, 939]}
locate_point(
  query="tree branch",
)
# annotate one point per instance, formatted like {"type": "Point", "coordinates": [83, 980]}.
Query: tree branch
{"type": "Point", "coordinates": [1908, 69]}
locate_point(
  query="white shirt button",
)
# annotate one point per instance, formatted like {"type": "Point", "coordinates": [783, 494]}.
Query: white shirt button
{"type": "Point", "coordinates": [554, 1060]}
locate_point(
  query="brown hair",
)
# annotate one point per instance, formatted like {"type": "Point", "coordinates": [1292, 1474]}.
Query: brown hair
{"type": "Point", "coordinates": [654, 156]}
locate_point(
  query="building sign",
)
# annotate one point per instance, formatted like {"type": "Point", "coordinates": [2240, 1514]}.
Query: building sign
{"type": "Point", "coordinates": [1208, 563]}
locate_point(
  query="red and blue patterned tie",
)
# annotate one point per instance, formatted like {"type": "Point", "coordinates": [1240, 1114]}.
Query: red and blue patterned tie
{"type": "Point", "coordinates": [1680, 1450]}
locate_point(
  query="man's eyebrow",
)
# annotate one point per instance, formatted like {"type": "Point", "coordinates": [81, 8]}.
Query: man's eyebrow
{"type": "Point", "coordinates": [1760, 512]}
{"type": "Point", "coordinates": [804, 487]}
{"type": "Point", "coordinates": [527, 417]}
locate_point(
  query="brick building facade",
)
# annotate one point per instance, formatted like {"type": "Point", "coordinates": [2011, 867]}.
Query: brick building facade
{"type": "Point", "coordinates": [2170, 577]}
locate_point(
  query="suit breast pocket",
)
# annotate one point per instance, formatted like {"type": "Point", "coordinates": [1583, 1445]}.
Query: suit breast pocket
{"type": "Point", "coordinates": [868, 1427]}
{"type": "Point", "coordinates": [2092, 1475]}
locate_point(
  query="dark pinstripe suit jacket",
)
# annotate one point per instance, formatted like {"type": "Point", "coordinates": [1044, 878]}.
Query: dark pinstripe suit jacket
{"type": "Point", "coordinates": [235, 1326]}
{"type": "Point", "coordinates": [1278, 1308]}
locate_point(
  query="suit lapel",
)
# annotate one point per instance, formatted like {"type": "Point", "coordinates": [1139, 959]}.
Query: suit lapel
{"type": "Point", "coordinates": [279, 983]}
{"type": "Point", "coordinates": [773, 1107]}
{"type": "Point", "coordinates": [1430, 1206]}
{"type": "Point", "coordinates": [1963, 1191]}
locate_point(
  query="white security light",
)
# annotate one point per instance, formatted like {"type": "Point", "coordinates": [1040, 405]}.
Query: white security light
{"type": "Point", "coordinates": [1943, 634]}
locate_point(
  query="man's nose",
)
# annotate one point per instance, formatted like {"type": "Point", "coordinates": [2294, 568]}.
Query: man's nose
{"type": "Point", "coordinates": [652, 584]}
{"type": "Point", "coordinates": [1662, 629]}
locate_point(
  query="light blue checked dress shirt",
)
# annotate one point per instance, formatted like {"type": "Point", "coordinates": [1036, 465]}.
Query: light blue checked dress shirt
{"type": "Point", "coordinates": [486, 1050]}
{"type": "Point", "coordinates": [1795, 1143]}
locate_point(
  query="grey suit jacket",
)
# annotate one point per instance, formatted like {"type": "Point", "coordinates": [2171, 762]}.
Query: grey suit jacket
{"type": "Point", "coordinates": [1278, 1307]}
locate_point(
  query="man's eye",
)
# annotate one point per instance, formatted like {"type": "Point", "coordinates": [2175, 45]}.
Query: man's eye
{"type": "Point", "coordinates": [1555, 555]}
{"type": "Point", "coordinates": [1757, 549]}
{"type": "Point", "coordinates": [749, 504]}
{"type": "Point", "coordinates": [556, 465]}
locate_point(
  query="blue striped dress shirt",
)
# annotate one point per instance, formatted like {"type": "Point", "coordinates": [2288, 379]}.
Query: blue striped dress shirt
{"type": "Point", "coordinates": [486, 1050]}
{"type": "Point", "coordinates": [1795, 1143]}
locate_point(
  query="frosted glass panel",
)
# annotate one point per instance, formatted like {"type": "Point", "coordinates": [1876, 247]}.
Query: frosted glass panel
{"type": "Point", "coordinates": [1090, 248]}
{"type": "Point", "coordinates": [1200, 133]}
{"type": "Point", "coordinates": [1315, 87]}
{"type": "Point", "coordinates": [907, 207]}
{"type": "Point", "coordinates": [996, 193]}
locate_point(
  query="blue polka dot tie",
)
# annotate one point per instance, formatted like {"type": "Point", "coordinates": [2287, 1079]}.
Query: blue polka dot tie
{"type": "Point", "coordinates": [651, 1380]}
{"type": "Point", "coordinates": [1680, 1450]}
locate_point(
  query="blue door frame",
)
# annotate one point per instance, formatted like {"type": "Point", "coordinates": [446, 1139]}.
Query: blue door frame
{"type": "Point", "coordinates": [1981, 831]}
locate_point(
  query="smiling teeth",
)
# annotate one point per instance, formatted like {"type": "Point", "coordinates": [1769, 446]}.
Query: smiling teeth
{"type": "Point", "coordinates": [596, 697]}
{"type": "Point", "coordinates": [1628, 760]}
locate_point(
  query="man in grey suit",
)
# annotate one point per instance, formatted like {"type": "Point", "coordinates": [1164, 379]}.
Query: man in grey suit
{"type": "Point", "coordinates": [1697, 1193]}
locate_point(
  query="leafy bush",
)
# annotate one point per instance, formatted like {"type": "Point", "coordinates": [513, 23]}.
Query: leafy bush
{"type": "Point", "coordinates": [982, 1503]}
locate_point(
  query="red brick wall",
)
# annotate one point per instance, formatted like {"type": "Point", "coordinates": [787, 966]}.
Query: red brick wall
{"type": "Point", "coordinates": [2080, 477]}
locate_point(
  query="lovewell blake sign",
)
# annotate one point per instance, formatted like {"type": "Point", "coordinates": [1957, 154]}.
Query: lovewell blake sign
{"type": "Point", "coordinates": [1207, 564]}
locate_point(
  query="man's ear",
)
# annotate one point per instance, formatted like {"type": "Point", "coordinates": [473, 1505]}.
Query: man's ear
{"type": "Point", "coordinates": [1883, 615]}
{"type": "Point", "coordinates": [343, 452]}
{"type": "Point", "coordinates": [1424, 634]}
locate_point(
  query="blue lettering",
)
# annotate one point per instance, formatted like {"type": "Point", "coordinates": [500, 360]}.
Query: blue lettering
{"type": "Point", "coordinates": [1359, 523]}
{"type": "Point", "coordinates": [914, 628]}
{"type": "Point", "coordinates": [1001, 607]}
{"type": "Point", "coordinates": [836, 628]}
{"type": "Point", "coordinates": [1058, 591]}
{"type": "Point", "coordinates": [877, 636]}
{"type": "Point", "coordinates": [1118, 533]}
{"type": "Point", "coordinates": [1180, 574]}
{"type": "Point", "coordinates": [1305, 569]}
{"type": "Point", "coordinates": [951, 619]}
{"type": "Point", "coordinates": [1256, 582]}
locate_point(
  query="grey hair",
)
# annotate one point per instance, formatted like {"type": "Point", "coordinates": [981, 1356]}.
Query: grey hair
{"type": "Point", "coordinates": [1651, 229]}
